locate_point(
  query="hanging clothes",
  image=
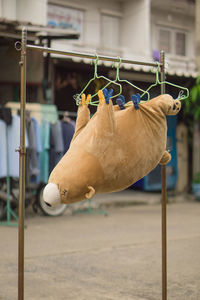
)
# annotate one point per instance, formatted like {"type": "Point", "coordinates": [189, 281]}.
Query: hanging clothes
{"type": "Point", "coordinates": [68, 129]}
{"type": "Point", "coordinates": [66, 118]}
{"type": "Point", "coordinates": [44, 156]}
{"type": "Point", "coordinates": [56, 144]}
{"type": "Point", "coordinates": [33, 164]}
{"type": "Point", "coordinates": [49, 113]}
{"type": "Point", "coordinates": [14, 143]}
{"type": "Point", "coordinates": [6, 115]}
{"type": "Point", "coordinates": [38, 147]}
{"type": "Point", "coordinates": [46, 140]}
{"type": "Point", "coordinates": [34, 108]}
{"type": "Point", "coordinates": [5, 120]}
{"type": "Point", "coordinates": [32, 150]}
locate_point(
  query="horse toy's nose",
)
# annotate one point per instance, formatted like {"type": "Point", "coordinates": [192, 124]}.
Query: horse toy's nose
{"type": "Point", "coordinates": [51, 195]}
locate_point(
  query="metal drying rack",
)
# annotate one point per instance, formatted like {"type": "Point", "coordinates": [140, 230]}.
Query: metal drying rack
{"type": "Point", "coordinates": [24, 47]}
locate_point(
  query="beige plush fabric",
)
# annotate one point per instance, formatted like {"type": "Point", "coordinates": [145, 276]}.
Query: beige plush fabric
{"type": "Point", "coordinates": [113, 149]}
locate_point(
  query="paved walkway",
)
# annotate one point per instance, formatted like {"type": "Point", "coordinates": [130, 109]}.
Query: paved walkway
{"type": "Point", "coordinates": [93, 257]}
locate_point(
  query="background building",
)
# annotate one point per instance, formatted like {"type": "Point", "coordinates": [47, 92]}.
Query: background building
{"type": "Point", "coordinates": [136, 29]}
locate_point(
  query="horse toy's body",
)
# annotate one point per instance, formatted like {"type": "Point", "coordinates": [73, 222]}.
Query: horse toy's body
{"type": "Point", "coordinates": [112, 150]}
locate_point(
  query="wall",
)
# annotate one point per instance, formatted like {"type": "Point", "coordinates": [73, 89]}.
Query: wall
{"type": "Point", "coordinates": [8, 9]}
{"type": "Point", "coordinates": [24, 10]}
{"type": "Point", "coordinates": [137, 18]}
{"type": "Point", "coordinates": [173, 20]}
{"type": "Point", "coordinates": [135, 30]}
{"type": "Point", "coordinates": [179, 21]}
{"type": "Point", "coordinates": [91, 40]}
{"type": "Point", "coordinates": [31, 11]}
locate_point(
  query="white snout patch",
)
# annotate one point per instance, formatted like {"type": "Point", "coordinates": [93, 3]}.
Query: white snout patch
{"type": "Point", "coordinates": [51, 194]}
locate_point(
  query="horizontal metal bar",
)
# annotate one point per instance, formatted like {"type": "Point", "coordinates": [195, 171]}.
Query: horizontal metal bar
{"type": "Point", "coordinates": [91, 56]}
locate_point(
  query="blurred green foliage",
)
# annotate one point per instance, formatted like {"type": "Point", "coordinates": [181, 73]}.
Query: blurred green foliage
{"type": "Point", "coordinates": [196, 178]}
{"type": "Point", "coordinates": [192, 104]}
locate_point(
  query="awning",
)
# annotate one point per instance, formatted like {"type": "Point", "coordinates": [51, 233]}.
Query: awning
{"type": "Point", "coordinates": [43, 32]}
{"type": "Point", "coordinates": [12, 29]}
{"type": "Point", "coordinates": [138, 68]}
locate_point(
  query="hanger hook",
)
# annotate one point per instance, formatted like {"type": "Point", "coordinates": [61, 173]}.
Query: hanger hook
{"type": "Point", "coordinates": [180, 95]}
{"type": "Point", "coordinates": [95, 65]}
{"type": "Point", "coordinates": [118, 67]}
{"type": "Point", "coordinates": [157, 72]}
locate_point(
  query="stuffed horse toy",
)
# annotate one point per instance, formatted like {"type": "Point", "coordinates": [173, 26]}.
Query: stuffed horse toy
{"type": "Point", "coordinates": [112, 150]}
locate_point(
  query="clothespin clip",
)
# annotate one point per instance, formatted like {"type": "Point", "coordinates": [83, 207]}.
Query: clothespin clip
{"type": "Point", "coordinates": [85, 100]}
{"type": "Point", "coordinates": [101, 97]}
{"type": "Point", "coordinates": [121, 101]}
{"type": "Point", "coordinates": [136, 100]}
{"type": "Point", "coordinates": [107, 94]}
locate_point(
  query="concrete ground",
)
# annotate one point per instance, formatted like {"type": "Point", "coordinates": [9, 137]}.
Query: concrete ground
{"type": "Point", "coordinates": [97, 257]}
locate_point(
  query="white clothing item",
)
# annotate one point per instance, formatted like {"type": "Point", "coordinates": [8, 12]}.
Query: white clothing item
{"type": "Point", "coordinates": [3, 151]}
{"type": "Point", "coordinates": [13, 144]}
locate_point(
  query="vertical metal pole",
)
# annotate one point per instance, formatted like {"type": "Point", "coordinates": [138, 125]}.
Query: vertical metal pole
{"type": "Point", "coordinates": [22, 152]}
{"type": "Point", "coordinates": [164, 199]}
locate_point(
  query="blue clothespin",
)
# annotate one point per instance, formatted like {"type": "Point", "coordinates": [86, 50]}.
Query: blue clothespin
{"type": "Point", "coordinates": [136, 100]}
{"type": "Point", "coordinates": [121, 101]}
{"type": "Point", "coordinates": [107, 94]}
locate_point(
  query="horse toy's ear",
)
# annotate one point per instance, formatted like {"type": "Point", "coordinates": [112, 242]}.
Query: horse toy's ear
{"type": "Point", "coordinates": [165, 158]}
{"type": "Point", "coordinates": [90, 193]}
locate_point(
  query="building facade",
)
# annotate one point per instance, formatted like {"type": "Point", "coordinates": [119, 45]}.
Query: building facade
{"type": "Point", "coordinates": [136, 29]}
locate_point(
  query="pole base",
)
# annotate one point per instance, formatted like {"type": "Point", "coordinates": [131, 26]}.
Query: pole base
{"type": "Point", "coordinates": [9, 224]}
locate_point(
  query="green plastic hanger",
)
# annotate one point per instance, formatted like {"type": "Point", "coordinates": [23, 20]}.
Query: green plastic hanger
{"type": "Point", "coordinates": [96, 102]}
{"type": "Point", "coordinates": [117, 79]}
{"type": "Point", "coordinates": [181, 95]}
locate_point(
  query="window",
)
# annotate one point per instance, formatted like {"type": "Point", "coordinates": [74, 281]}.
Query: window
{"type": "Point", "coordinates": [180, 43]}
{"type": "Point", "coordinates": [172, 40]}
{"type": "Point", "coordinates": [110, 26]}
{"type": "Point", "coordinates": [164, 40]}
